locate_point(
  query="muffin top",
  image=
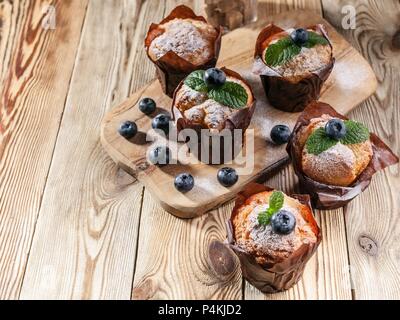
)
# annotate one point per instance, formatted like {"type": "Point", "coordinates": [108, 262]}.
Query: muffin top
{"type": "Point", "coordinates": [338, 165]}
{"type": "Point", "coordinates": [297, 60]}
{"type": "Point", "coordinates": [260, 240]}
{"type": "Point", "coordinates": [198, 108]}
{"type": "Point", "coordinates": [190, 39]}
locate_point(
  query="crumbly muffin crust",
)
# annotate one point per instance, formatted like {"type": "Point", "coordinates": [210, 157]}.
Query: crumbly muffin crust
{"type": "Point", "coordinates": [340, 165]}
{"type": "Point", "coordinates": [199, 110]}
{"type": "Point", "coordinates": [190, 39]}
{"type": "Point", "coordinates": [260, 241]}
{"type": "Point", "coordinates": [309, 60]}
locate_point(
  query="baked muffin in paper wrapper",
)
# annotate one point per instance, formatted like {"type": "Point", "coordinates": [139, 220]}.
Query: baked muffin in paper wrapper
{"type": "Point", "coordinates": [284, 273]}
{"type": "Point", "coordinates": [290, 94]}
{"type": "Point", "coordinates": [325, 196]}
{"type": "Point", "coordinates": [240, 119]}
{"type": "Point", "coordinates": [171, 68]}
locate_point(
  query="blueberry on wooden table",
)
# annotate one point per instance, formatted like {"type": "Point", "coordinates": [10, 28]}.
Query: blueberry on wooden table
{"type": "Point", "coordinates": [184, 182]}
{"type": "Point", "coordinates": [299, 36]}
{"type": "Point", "coordinates": [128, 129]}
{"type": "Point", "coordinates": [214, 78]}
{"type": "Point", "coordinates": [280, 134]}
{"type": "Point", "coordinates": [160, 155]}
{"type": "Point", "coordinates": [147, 106]}
{"type": "Point", "coordinates": [335, 129]}
{"type": "Point", "coordinates": [227, 176]}
{"type": "Point", "coordinates": [283, 222]}
{"type": "Point", "coordinates": [161, 122]}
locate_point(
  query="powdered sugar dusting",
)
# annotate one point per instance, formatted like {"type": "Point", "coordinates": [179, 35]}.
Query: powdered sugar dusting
{"type": "Point", "coordinates": [189, 39]}
{"type": "Point", "coordinates": [266, 240]}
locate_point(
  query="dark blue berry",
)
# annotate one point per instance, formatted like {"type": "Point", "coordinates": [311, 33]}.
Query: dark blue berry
{"type": "Point", "coordinates": [214, 78]}
{"type": "Point", "coordinates": [335, 129]}
{"type": "Point", "coordinates": [184, 182]}
{"type": "Point", "coordinates": [147, 106]}
{"type": "Point", "coordinates": [283, 222]}
{"type": "Point", "coordinates": [299, 36]}
{"type": "Point", "coordinates": [280, 134]}
{"type": "Point", "coordinates": [161, 122]}
{"type": "Point", "coordinates": [128, 129]}
{"type": "Point", "coordinates": [227, 177]}
{"type": "Point", "coordinates": [160, 155]}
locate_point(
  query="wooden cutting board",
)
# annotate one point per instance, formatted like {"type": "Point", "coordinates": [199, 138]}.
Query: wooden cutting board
{"type": "Point", "coordinates": [351, 82]}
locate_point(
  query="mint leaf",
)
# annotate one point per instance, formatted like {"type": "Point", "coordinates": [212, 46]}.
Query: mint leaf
{"type": "Point", "coordinates": [195, 81]}
{"type": "Point", "coordinates": [231, 94]}
{"type": "Point", "coordinates": [281, 51]}
{"type": "Point", "coordinates": [275, 204]}
{"type": "Point", "coordinates": [356, 132]}
{"type": "Point", "coordinates": [314, 39]}
{"type": "Point", "coordinates": [319, 142]}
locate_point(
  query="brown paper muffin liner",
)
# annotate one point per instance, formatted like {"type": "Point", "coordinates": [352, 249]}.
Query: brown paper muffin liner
{"type": "Point", "coordinates": [284, 274]}
{"type": "Point", "coordinates": [290, 94]}
{"type": "Point", "coordinates": [238, 120]}
{"type": "Point", "coordinates": [327, 196]}
{"type": "Point", "coordinates": [172, 69]}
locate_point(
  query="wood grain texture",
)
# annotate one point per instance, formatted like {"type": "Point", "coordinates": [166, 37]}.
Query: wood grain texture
{"type": "Point", "coordinates": [345, 88]}
{"type": "Point", "coordinates": [327, 274]}
{"type": "Point", "coordinates": [35, 70]}
{"type": "Point", "coordinates": [85, 241]}
{"type": "Point", "coordinates": [373, 219]}
{"type": "Point", "coordinates": [173, 259]}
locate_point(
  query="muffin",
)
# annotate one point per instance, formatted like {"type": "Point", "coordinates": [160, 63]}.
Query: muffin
{"type": "Point", "coordinates": [212, 109]}
{"type": "Point", "coordinates": [180, 44]}
{"type": "Point", "coordinates": [335, 157]}
{"type": "Point", "coordinates": [293, 65]}
{"type": "Point", "coordinates": [274, 235]}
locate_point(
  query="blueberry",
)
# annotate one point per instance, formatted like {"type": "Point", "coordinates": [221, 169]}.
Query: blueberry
{"type": "Point", "coordinates": [299, 36]}
{"type": "Point", "coordinates": [214, 78]}
{"type": "Point", "coordinates": [160, 155]}
{"type": "Point", "coordinates": [184, 182]}
{"type": "Point", "coordinates": [147, 106]}
{"type": "Point", "coordinates": [161, 122]}
{"type": "Point", "coordinates": [280, 134]}
{"type": "Point", "coordinates": [283, 222]}
{"type": "Point", "coordinates": [227, 177]}
{"type": "Point", "coordinates": [335, 129]}
{"type": "Point", "coordinates": [128, 129]}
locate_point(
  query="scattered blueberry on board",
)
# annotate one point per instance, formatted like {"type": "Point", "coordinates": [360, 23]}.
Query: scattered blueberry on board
{"type": "Point", "coordinates": [283, 222]}
{"type": "Point", "coordinates": [184, 182]}
{"type": "Point", "coordinates": [128, 129]}
{"type": "Point", "coordinates": [227, 176]}
{"type": "Point", "coordinates": [160, 155]}
{"type": "Point", "coordinates": [335, 129]}
{"type": "Point", "coordinates": [147, 106]}
{"type": "Point", "coordinates": [280, 134]}
{"type": "Point", "coordinates": [299, 36]}
{"type": "Point", "coordinates": [161, 122]}
{"type": "Point", "coordinates": [214, 78]}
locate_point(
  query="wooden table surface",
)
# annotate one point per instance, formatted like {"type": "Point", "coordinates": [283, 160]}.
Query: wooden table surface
{"type": "Point", "coordinates": [74, 226]}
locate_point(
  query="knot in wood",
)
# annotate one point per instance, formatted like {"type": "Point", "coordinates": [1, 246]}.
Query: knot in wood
{"type": "Point", "coordinates": [396, 40]}
{"type": "Point", "coordinates": [221, 258]}
{"type": "Point", "coordinates": [368, 245]}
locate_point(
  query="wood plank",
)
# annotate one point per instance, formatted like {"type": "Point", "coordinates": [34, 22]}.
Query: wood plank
{"type": "Point", "coordinates": [326, 275]}
{"type": "Point", "coordinates": [173, 256]}
{"type": "Point", "coordinates": [85, 241]}
{"type": "Point", "coordinates": [174, 261]}
{"type": "Point", "coordinates": [35, 70]}
{"type": "Point", "coordinates": [373, 219]}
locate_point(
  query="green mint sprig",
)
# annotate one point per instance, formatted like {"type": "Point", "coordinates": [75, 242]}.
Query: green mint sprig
{"type": "Point", "coordinates": [230, 94]}
{"type": "Point", "coordinates": [285, 49]}
{"type": "Point", "coordinates": [319, 142]}
{"type": "Point", "coordinates": [275, 204]}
